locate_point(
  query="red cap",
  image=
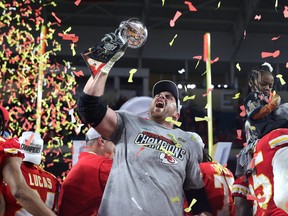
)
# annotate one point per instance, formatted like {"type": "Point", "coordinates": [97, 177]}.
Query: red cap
{"type": "Point", "coordinates": [5, 114]}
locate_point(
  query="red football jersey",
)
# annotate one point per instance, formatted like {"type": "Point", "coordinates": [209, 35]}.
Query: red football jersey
{"type": "Point", "coordinates": [44, 183]}
{"type": "Point", "coordinates": [218, 182]}
{"type": "Point", "coordinates": [263, 181]}
{"type": "Point", "coordinates": [9, 148]}
{"type": "Point", "coordinates": [83, 188]}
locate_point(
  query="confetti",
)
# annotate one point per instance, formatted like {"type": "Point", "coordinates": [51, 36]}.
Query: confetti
{"type": "Point", "coordinates": [138, 152]}
{"type": "Point", "coordinates": [215, 60]}
{"type": "Point", "coordinates": [190, 206]}
{"type": "Point", "coordinates": [239, 134]}
{"type": "Point", "coordinates": [218, 5]}
{"type": "Point", "coordinates": [163, 3]}
{"type": "Point", "coordinates": [238, 67]}
{"type": "Point", "coordinates": [270, 54]}
{"type": "Point", "coordinates": [243, 111]}
{"type": "Point", "coordinates": [77, 2]}
{"type": "Point", "coordinates": [181, 71]}
{"type": "Point", "coordinates": [175, 199]}
{"type": "Point", "coordinates": [177, 15]}
{"type": "Point", "coordinates": [57, 19]}
{"type": "Point", "coordinates": [275, 38]}
{"type": "Point", "coordinates": [209, 90]}
{"type": "Point", "coordinates": [172, 41]}
{"type": "Point", "coordinates": [27, 142]}
{"type": "Point", "coordinates": [257, 17]}
{"type": "Point", "coordinates": [236, 96]}
{"type": "Point", "coordinates": [139, 207]}
{"type": "Point", "coordinates": [282, 81]}
{"type": "Point", "coordinates": [190, 6]}
{"type": "Point", "coordinates": [79, 73]}
{"type": "Point", "coordinates": [170, 119]}
{"type": "Point", "coordinates": [177, 144]}
{"type": "Point", "coordinates": [285, 12]}
{"type": "Point", "coordinates": [131, 72]}
{"type": "Point", "coordinates": [197, 119]}
{"type": "Point", "coordinates": [189, 98]}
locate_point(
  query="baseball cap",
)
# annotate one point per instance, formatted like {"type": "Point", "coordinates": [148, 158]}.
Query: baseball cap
{"type": "Point", "coordinates": [169, 86]}
{"type": "Point", "coordinates": [92, 134]}
{"type": "Point", "coordinates": [32, 146]}
{"type": "Point", "coordinates": [138, 106]}
{"type": "Point", "coordinates": [5, 114]}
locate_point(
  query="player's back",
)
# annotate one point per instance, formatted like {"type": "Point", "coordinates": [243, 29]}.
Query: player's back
{"type": "Point", "coordinates": [42, 182]}
{"type": "Point", "coordinates": [218, 182]}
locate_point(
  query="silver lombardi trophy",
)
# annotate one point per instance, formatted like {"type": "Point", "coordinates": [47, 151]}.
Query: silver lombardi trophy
{"type": "Point", "coordinates": [130, 33]}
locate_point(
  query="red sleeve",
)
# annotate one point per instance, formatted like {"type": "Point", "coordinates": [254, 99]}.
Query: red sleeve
{"type": "Point", "coordinates": [10, 148]}
{"type": "Point", "coordinates": [104, 172]}
{"type": "Point", "coordinates": [240, 188]}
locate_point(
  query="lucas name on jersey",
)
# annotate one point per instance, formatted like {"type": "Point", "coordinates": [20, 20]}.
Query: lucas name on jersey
{"type": "Point", "coordinates": [39, 181]}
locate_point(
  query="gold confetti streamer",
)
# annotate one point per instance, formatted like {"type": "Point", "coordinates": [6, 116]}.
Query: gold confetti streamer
{"type": "Point", "coordinates": [172, 41]}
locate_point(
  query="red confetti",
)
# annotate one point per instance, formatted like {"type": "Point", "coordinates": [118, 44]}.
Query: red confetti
{"type": "Point", "coordinates": [191, 7]}
{"type": "Point", "coordinates": [275, 38]}
{"type": "Point", "coordinates": [54, 15]}
{"type": "Point", "coordinates": [29, 140]}
{"type": "Point", "coordinates": [239, 134]}
{"type": "Point", "coordinates": [215, 60]}
{"type": "Point", "coordinates": [243, 113]}
{"type": "Point", "coordinates": [209, 90]}
{"type": "Point", "coordinates": [257, 17]}
{"type": "Point", "coordinates": [79, 73]}
{"type": "Point", "coordinates": [270, 54]}
{"type": "Point", "coordinates": [177, 15]}
{"type": "Point", "coordinates": [197, 57]}
{"type": "Point", "coordinates": [138, 152]}
{"type": "Point", "coordinates": [77, 2]}
{"type": "Point", "coordinates": [285, 12]}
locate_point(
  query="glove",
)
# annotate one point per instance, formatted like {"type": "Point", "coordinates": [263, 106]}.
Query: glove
{"type": "Point", "coordinates": [106, 69]}
{"type": "Point", "coordinates": [112, 39]}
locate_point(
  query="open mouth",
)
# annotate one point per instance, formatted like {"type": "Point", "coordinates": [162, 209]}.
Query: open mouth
{"type": "Point", "coordinates": [159, 104]}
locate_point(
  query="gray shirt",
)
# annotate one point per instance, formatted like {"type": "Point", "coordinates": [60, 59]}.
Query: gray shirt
{"type": "Point", "coordinates": [151, 167]}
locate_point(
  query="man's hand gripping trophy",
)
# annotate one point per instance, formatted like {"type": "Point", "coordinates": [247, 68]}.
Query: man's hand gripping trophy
{"type": "Point", "coordinates": [101, 58]}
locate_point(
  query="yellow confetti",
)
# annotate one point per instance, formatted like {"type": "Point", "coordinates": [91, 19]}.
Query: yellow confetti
{"type": "Point", "coordinates": [73, 49]}
{"type": "Point", "coordinates": [67, 30]}
{"type": "Point", "coordinates": [282, 81]}
{"type": "Point", "coordinates": [175, 199]}
{"type": "Point", "coordinates": [169, 119]}
{"type": "Point", "coordinates": [238, 67]}
{"type": "Point", "coordinates": [197, 63]}
{"type": "Point", "coordinates": [189, 98]}
{"type": "Point", "coordinates": [172, 41]}
{"type": "Point", "coordinates": [236, 96]}
{"type": "Point", "coordinates": [218, 5]}
{"type": "Point", "coordinates": [177, 144]}
{"type": "Point", "coordinates": [166, 151]}
{"type": "Point", "coordinates": [197, 119]}
{"type": "Point", "coordinates": [190, 206]}
{"type": "Point", "coordinates": [132, 72]}
{"type": "Point", "coordinates": [163, 2]}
